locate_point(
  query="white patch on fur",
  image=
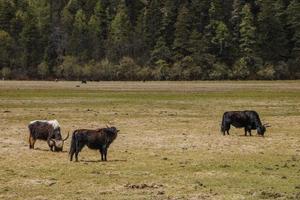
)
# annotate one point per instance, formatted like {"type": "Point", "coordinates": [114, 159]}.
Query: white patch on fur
{"type": "Point", "coordinates": [54, 123]}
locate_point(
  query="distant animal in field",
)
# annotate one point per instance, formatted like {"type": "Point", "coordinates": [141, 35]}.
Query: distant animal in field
{"type": "Point", "coordinates": [48, 131]}
{"type": "Point", "coordinates": [248, 119]}
{"type": "Point", "coordinates": [98, 139]}
{"type": "Point", "coordinates": [83, 82]}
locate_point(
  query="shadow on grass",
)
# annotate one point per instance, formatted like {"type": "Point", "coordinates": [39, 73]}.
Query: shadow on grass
{"type": "Point", "coordinates": [99, 161]}
{"type": "Point", "coordinates": [250, 136]}
{"type": "Point", "coordinates": [48, 150]}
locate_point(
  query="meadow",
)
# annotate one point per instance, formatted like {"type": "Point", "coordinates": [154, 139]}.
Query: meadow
{"type": "Point", "coordinates": [169, 146]}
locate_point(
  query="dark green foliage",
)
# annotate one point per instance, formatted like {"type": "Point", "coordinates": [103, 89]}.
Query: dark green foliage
{"type": "Point", "coordinates": [150, 39]}
{"type": "Point", "coordinates": [31, 49]}
{"type": "Point", "coordinates": [182, 32]}
{"type": "Point", "coordinates": [160, 51]}
{"type": "Point", "coordinates": [294, 26]}
{"type": "Point", "coordinates": [152, 25]}
{"type": "Point", "coordinates": [271, 33]}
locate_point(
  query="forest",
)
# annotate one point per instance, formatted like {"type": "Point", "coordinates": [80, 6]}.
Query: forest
{"type": "Point", "coordinates": [149, 39]}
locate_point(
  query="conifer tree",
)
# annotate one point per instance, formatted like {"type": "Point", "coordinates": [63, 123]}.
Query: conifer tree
{"type": "Point", "coordinates": [235, 20]}
{"type": "Point", "coordinates": [169, 20]}
{"type": "Point", "coordinates": [247, 32]}
{"type": "Point", "coordinates": [32, 53]}
{"type": "Point", "coordinates": [271, 35]}
{"type": "Point", "coordinates": [182, 33]}
{"type": "Point", "coordinates": [79, 36]}
{"type": "Point", "coordinates": [120, 35]}
{"type": "Point", "coordinates": [161, 51]}
{"type": "Point", "coordinates": [153, 23]}
{"type": "Point", "coordinates": [7, 13]}
{"type": "Point", "coordinates": [6, 49]}
{"type": "Point", "coordinates": [294, 25]}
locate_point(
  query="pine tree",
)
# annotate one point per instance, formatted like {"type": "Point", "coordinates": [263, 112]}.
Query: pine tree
{"type": "Point", "coordinates": [134, 8]}
{"type": "Point", "coordinates": [294, 25]}
{"type": "Point", "coordinates": [182, 33]}
{"type": "Point", "coordinates": [216, 31]}
{"type": "Point", "coordinates": [102, 20]}
{"type": "Point", "coordinates": [169, 20]}
{"type": "Point", "coordinates": [199, 48]}
{"type": "Point", "coordinates": [57, 35]}
{"type": "Point", "coordinates": [30, 44]}
{"type": "Point", "coordinates": [246, 66]}
{"type": "Point", "coordinates": [247, 32]}
{"type": "Point", "coordinates": [79, 36]}
{"type": "Point", "coordinates": [7, 13]}
{"type": "Point", "coordinates": [235, 20]}
{"type": "Point", "coordinates": [271, 35]}
{"type": "Point", "coordinates": [161, 51]}
{"type": "Point", "coordinates": [221, 37]}
{"type": "Point", "coordinates": [216, 12]}
{"type": "Point", "coordinates": [199, 13]}
{"type": "Point", "coordinates": [6, 49]}
{"type": "Point", "coordinates": [120, 26]}
{"type": "Point", "coordinates": [120, 35]}
{"type": "Point", "coordinates": [98, 32]}
{"type": "Point", "coordinates": [153, 23]}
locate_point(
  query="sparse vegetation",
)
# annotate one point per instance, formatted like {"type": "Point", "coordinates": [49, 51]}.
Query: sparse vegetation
{"type": "Point", "coordinates": [169, 147]}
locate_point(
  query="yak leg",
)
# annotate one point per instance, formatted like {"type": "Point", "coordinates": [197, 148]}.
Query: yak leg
{"type": "Point", "coordinates": [246, 130]}
{"type": "Point", "coordinates": [227, 129]}
{"type": "Point", "coordinates": [71, 155]}
{"type": "Point", "coordinates": [76, 156]}
{"type": "Point", "coordinates": [31, 142]}
{"type": "Point", "coordinates": [72, 152]}
{"type": "Point", "coordinates": [105, 154]}
{"type": "Point", "coordinates": [101, 152]}
{"type": "Point", "coordinates": [78, 149]}
{"type": "Point", "coordinates": [250, 132]}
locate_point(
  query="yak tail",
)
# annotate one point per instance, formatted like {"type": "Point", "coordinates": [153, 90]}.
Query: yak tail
{"type": "Point", "coordinates": [73, 144]}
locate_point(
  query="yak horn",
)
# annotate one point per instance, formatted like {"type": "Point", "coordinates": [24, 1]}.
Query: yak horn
{"type": "Point", "coordinates": [66, 137]}
{"type": "Point", "coordinates": [107, 126]}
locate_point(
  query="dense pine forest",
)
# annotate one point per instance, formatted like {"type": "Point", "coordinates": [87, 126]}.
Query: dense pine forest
{"type": "Point", "coordinates": [150, 39]}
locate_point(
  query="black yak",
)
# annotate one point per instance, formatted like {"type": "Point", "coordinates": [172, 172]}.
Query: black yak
{"type": "Point", "coordinates": [48, 131]}
{"type": "Point", "coordinates": [248, 119]}
{"type": "Point", "coordinates": [99, 139]}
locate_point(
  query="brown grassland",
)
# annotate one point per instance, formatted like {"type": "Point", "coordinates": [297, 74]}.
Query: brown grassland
{"type": "Point", "coordinates": [169, 146]}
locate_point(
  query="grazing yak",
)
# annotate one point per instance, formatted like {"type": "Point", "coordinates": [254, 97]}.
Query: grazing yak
{"type": "Point", "coordinates": [48, 131]}
{"type": "Point", "coordinates": [98, 139]}
{"type": "Point", "coordinates": [248, 119]}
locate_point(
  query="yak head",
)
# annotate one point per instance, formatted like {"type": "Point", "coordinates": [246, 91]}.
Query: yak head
{"type": "Point", "coordinates": [58, 144]}
{"type": "Point", "coordinates": [112, 129]}
{"type": "Point", "coordinates": [262, 129]}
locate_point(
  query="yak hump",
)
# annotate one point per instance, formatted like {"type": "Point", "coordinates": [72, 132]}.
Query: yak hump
{"type": "Point", "coordinates": [54, 123]}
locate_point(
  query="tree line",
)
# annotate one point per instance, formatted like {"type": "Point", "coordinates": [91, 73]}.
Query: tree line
{"type": "Point", "coordinates": [150, 39]}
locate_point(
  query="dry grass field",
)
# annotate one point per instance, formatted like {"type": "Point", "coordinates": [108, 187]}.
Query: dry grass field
{"type": "Point", "coordinates": [169, 147]}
